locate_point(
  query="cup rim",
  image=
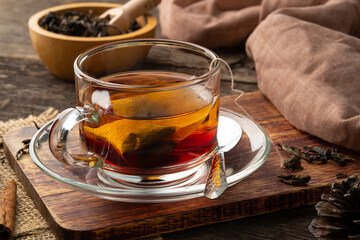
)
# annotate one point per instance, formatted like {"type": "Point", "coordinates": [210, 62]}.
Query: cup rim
{"type": "Point", "coordinates": [147, 41]}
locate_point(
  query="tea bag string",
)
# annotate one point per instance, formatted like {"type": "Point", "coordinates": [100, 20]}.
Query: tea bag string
{"type": "Point", "coordinates": [241, 93]}
{"type": "Point", "coordinates": [213, 62]}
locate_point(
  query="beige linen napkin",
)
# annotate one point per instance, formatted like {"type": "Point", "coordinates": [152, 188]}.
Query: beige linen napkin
{"type": "Point", "coordinates": [308, 65]}
{"type": "Point", "coordinates": [306, 53]}
{"type": "Point", "coordinates": [209, 23]}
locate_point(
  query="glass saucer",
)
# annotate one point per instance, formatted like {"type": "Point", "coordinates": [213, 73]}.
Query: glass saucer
{"type": "Point", "coordinates": [241, 159]}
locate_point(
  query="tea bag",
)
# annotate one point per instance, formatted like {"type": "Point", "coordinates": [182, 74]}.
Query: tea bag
{"type": "Point", "coordinates": [167, 116]}
{"type": "Point", "coordinates": [163, 103]}
{"type": "Point", "coordinates": [145, 138]}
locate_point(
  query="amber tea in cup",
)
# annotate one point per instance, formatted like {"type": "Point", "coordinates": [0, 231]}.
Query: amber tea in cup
{"type": "Point", "coordinates": [147, 111]}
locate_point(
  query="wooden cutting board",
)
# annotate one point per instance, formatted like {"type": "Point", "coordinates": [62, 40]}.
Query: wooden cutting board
{"type": "Point", "coordinates": [72, 214]}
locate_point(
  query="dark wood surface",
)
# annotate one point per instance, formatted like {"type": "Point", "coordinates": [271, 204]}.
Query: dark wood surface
{"type": "Point", "coordinates": [26, 87]}
{"type": "Point", "coordinates": [259, 193]}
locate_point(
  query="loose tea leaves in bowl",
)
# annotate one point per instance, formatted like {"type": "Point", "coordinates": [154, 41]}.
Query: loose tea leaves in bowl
{"type": "Point", "coordinates": [59, 51]}
{"type": "Point", "coordinates": [77, 24]}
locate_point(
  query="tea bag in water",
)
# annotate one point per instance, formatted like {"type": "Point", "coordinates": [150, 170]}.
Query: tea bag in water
{"type": "Point", "coordinates": [163, 104]}
{"type": "Point", "coordinates": [146, 119]}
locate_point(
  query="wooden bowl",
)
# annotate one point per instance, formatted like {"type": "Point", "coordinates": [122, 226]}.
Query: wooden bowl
{"type": "Point", "coordinates": [58, 52]}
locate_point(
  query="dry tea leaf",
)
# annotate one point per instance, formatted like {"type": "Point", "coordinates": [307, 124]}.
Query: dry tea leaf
{"type": "Point", "coordinates": [317, 154]}
{"type": "Point", "coordinates": [341, 175]}
{"type": "Point", "coordinates": [293, 163]}
{"type": "Point", "coordinates": [24, 149]}
{"type": "Point", "coordinates": [297, 180]}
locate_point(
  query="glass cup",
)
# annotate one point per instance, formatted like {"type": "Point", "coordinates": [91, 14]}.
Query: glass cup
{"type": "Point", "coordinates": [147, 111]}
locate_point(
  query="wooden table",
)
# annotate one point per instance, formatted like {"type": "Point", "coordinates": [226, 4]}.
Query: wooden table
{"type": "Point", "coordinates": [26, 87]}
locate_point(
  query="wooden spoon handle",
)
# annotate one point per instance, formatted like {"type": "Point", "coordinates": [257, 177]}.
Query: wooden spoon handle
{"type": "Point", "coordinates": [123, 16]}
{"type": "Point", "coordinates": [135, 8]}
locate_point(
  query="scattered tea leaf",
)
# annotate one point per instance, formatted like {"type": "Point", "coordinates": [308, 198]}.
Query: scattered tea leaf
{"type": "Point", "coordinates": [297, 180]}
{"type": "Point", "coordinates": [293, 163]}
{"type": "Point", "coordinates": [341, 175]}
{"type": "Point", "coordinates": [291, 151]}
{"type": "Point", "coordinates": [24, 149]}
{"type": "Point", "coordinates": [26, 141]}
{"type": "Point", "coordinates": [36, 125]}
{"type": "Point", "coordinates": [317, 154]}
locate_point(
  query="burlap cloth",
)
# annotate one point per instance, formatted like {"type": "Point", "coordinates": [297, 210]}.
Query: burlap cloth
{"type": "Point", "coordinates": [29, 224]}
{"type": "Point", "coordinates": [306, 54]}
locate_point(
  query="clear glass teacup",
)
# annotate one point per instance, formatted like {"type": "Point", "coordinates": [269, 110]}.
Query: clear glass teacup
{"type": "Point", "coordinates": [147, 111]}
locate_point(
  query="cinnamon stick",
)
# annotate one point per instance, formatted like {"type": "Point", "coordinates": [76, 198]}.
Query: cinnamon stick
{"type": "Point", "coordinates": [7, 210]}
